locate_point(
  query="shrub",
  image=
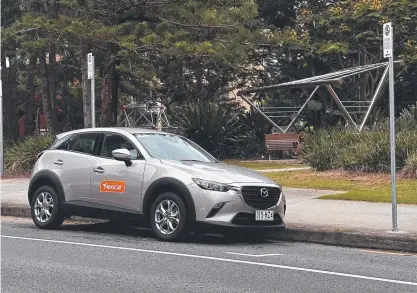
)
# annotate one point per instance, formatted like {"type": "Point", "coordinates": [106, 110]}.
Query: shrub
{"type": "Point", "coordinates": [408, 119]}
{"type": "Point", "coordinates": [221, 129]}
{"type": "Point", "coordinates": [320, 148]}
{"type": "Point", "coordinates": [406, 144]}
{"type": "Point", "coordinates": [410, 169]}
{"type": "Point", "coordinates": [21, 156]}
{"type": "Point", "coordinates": [362, 152]}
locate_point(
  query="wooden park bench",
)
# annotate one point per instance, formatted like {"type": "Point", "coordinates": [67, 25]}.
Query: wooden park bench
{"type": "Point", "coordinates": [282, 141]}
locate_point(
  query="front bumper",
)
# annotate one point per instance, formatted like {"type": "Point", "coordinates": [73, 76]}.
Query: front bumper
{"type": "Point", "coordinates": [234, 212]}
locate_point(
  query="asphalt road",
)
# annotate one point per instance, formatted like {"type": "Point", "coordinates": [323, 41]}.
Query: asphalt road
{"type": "Point", "coordinates": [88, 257]}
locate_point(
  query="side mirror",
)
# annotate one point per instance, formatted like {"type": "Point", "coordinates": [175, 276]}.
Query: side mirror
{"type": "Point", "coordinates": [123, 155]}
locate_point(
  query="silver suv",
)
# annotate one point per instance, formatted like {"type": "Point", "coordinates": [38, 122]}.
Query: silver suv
{"type": "Point", "coordinates": [165, 179]}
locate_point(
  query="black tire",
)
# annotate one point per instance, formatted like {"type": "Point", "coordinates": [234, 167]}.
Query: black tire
{"type": "Point", "coordinates": [182, 229]}
{"type": "Point", "coordinates": [57, 217]}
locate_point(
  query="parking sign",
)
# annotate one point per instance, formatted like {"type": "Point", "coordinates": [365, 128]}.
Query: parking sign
{"type": "Point", "coordinates": [388, 40]}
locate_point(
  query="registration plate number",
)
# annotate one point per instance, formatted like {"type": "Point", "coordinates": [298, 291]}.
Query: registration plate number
{"type": "Point", "coordinates": [264, 216]}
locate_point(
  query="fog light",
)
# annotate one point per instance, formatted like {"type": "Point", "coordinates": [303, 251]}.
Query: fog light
{"type": "Point", "coordinates": [218, 205]}
{"type": "Point", "coordinates": [215, 209]}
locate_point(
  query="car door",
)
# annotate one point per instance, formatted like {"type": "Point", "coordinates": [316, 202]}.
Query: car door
{"type": "Point", "coordinates": [74, 162]}
{"type": "Point", "coordinates": [113, 183]}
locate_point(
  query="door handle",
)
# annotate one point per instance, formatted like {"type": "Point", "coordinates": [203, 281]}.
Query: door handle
{"type": "Point", "coordinates": [59, 162]}
{"type": "Point", "coordinates": [99, 170]}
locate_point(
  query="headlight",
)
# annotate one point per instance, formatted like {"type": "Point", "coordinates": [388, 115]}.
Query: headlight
{"type": "Point", "coordinates": [211, 185]}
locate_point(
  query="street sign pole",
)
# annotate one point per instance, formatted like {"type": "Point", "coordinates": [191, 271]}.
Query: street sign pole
{"type": "Point", "coordinates": [1, 126]}
{"type": "Point", "coordinates": [1, 120]}
{"type": "Point", "coordinates": [91, 76]}
{"type": "Point", "coordinates": [389, 53]}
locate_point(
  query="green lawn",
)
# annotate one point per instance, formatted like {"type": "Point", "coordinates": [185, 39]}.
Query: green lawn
{"type": "Point", "coordinates": [256, 165]}
{"type": "Point", "coordinates": [358, 187]}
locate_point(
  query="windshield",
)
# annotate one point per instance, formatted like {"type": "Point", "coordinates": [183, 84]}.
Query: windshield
{"type": "Point", "coordinates": [173, 147]}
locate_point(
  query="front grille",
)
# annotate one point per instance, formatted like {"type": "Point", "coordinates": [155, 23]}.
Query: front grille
{"type": "Point", "coordinates": [252, 196]}
{"type": "Point", "coordinates": [247, 219]}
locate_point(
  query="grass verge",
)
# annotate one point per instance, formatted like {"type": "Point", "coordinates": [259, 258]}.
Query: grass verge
{"type": "Point", "coordinates": [259, 165]}
{"type": "Point", "coordinates": [358, 186]}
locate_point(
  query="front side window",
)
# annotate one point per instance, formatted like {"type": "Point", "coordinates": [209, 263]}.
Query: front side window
{"type": "Point", "coordinates": [173, 147]}
{"type": "Point", "coordinates": [113, 142]}
{"type": "Point", "coordinates": [85, 143]}
{"type": "Point", "coordinates": [62, 143]}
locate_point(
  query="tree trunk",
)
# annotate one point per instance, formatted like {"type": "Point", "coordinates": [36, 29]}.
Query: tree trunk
{"type": "Point", "coordinates": [363, 82]}
{"type": "Point", "coordinates": [46, 99]}
{"type": "Point", "coordinates": [29, 107]}
{"type": "Point", "coordinates": [106, 113]}
{"type": "Point", "coordinates": [65, 95]}
{"type": "Point", "coordinates": [115, 97]}
{"type": "Point", "coordinates": [109, 95]}
{"type": "Point", "coordinates": [86, 87]}
{"type": "Point", "coordinates": [53, 90]}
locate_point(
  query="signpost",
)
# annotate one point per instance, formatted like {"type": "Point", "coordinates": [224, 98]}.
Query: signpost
{"type": "Point", "coordinates": [90, 75]}
{"type": "Point", "coordinates": [388, 45]}
{"type": "Point", "coordinates": [1, 126]}
{"type": "Point", "coordinates": [1, 120]}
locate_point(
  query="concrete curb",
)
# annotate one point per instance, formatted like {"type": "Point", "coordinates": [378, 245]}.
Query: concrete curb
{"type": "Point", "coordinates": [283, 170]}
{"type": "Point", "coordinates": [15, 211]}
{"type": "Point", "coordinates": [358, 239]}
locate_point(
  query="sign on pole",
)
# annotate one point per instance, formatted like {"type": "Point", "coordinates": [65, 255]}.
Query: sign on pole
{"type": "Point", "coordinates": [389, 53]}
{"type": "Point", "coordinates": [388, 40]}
{"type": "Point", "coordinates": [90, 73]}
{"type": "Point", "coordinates": [90, 68]}
{"type": "Point", "coordinates": [1, 120]}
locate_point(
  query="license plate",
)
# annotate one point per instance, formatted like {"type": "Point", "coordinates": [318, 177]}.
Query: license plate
{"type": "Point", "coordinates": [264, 216]}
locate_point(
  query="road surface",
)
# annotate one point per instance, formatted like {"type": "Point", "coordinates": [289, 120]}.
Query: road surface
{"type": "Point", "coordinates": [96, 257]}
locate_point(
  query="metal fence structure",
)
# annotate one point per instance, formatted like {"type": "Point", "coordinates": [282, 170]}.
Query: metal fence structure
{"type": "Point", "coordinates": [327, 81]}
{"type": "Point", "coordinates": [147, 115]}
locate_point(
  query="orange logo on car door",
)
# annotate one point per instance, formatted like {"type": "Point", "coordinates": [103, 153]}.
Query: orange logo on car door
{"type": "Point", "coordinates": [112, 186]}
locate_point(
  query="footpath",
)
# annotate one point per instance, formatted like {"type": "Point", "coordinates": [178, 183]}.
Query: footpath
{"type": "Point", "coordinates": [308, 219]}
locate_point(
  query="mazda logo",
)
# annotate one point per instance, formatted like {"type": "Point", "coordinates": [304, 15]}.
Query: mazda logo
{"type": "Point", "coordinates": [264, 192]}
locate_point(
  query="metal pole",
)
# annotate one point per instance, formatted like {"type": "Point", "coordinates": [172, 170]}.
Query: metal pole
{"type": "Point", "coordinates": [388, 50]}
{"type": "Point", "coordinates": [375, 97]}
{"type": "Point", "coordinates": [93, 97]}
{"type": "Point", "coordinates": [1, 126]}
{"type": "Point", "coordinates": [302, 83]}
{"type": "Point", "coordinates": [392, 141]}
{"type": "Point", "coordinates": [341, 107]}
{"type": "Point", "coordinates": [1, 113]}
{"type": "Point", "coordinates": [262, 113]}
{"type": "Point", "coordinates": [302, 108]}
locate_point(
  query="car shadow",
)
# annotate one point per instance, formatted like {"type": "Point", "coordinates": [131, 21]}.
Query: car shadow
{"type": "Point", "coordinates": [106, 227]}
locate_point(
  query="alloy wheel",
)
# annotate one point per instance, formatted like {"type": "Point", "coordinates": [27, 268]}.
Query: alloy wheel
{"type": "Point", "coordinates": [44, 206]}
{"type": "Point", "coordinates": [167, 216]}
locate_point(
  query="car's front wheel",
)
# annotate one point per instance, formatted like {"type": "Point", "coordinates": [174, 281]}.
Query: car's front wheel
{"type": "Point", "coordinates": [168, 217]}
{"type": "Point", "coordinates": [45, 208]}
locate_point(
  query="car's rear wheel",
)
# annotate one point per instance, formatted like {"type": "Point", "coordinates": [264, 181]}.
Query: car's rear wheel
{"type": "Point", "coordinates": [168, 217]}
{"type": "Point", "coordinates": [45, 209]}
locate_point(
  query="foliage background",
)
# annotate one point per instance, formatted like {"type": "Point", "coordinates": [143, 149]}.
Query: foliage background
{"type": "Point", "coordinates": [190, 54]}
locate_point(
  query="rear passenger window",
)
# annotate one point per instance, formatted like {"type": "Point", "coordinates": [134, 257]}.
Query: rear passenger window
{"type": "Point", "coordinates": [85, 143]}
